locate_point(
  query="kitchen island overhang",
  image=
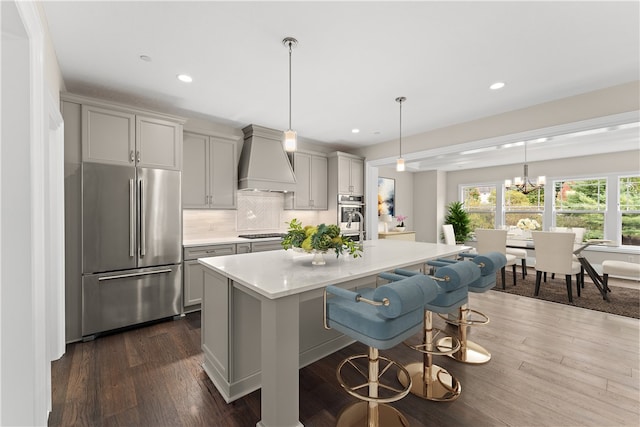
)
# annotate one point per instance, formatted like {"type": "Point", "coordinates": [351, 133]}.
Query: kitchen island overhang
{"type": "Point", "coordinates": [262, 316]}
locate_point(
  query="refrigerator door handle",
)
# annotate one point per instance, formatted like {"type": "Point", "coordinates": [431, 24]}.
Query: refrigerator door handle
{"type": "Point", "coordinates": [143, 228]}
{"type": "Point", "coordinates": [132, 218]}
{"type": "Point", "coordinates": [124, 276]}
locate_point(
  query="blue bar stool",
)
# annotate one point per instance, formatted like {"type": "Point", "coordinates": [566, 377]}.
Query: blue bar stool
{"type": "Point", "coordinates": [380, 318]}
{"type": "Point", "coordinates": [428, 380]}
{"type": "Point", "coordinates": [471, 352]}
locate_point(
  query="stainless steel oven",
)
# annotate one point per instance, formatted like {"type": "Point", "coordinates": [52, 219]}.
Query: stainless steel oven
{"type": "Point", "coordinates": [351, 215]}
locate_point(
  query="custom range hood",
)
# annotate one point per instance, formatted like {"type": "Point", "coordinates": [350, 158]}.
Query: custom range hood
{"type": "Point", "coordinates": [264, 165]}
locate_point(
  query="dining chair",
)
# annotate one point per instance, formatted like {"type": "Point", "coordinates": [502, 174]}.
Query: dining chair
{"type": "Point", "coordinates": [488, 240]}
{"type": "Point", "coordinates": [579, 232]}
{"type": "Point", "coordinates": [520, 254]}
{"type": "Point", "coordinates": [554, 254]}
{"type": "Point", "coordinates": [449, 234]}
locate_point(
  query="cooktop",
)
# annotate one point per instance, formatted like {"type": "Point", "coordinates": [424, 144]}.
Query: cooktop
{"type": "Point", "coordinates": [261, 236]}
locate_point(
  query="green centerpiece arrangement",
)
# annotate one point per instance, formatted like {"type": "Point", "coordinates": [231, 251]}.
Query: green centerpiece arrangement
{"type": "Point", "coordinates": [319, 239]}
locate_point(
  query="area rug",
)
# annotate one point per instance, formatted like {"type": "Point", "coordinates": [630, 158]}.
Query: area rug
{"type": "Point", "coordinates": [622, 301]}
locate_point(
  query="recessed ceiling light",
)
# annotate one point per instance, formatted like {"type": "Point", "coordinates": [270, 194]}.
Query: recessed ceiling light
{"type": "Point", "coordinates": [185, 78]}
{"type": "Point", "coordinates": [145, 58]}
{"type": "Point", "coordinates": [355, 130]}
{"type": "Point", "coordinates": [497, 85]}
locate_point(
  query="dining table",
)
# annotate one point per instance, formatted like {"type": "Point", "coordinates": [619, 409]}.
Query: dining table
{"type": "Point", "coordinates": [521, 242]}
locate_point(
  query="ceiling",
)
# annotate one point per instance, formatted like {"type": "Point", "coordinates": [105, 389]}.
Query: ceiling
{"type": "Point", "coordinates": [352, 60]}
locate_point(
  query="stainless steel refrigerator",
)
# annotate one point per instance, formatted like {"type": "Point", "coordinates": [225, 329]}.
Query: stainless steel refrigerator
{"type": "Point", "coordinates": [131, 246]}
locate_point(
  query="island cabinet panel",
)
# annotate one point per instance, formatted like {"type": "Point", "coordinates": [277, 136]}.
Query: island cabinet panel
{"type": "Point", "coordinates": [245, 339]}
{"type": "Point", "coordinates": [215, 339]}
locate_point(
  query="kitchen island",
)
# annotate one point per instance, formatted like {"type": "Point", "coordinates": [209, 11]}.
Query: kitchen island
{"type": "Point", "coordinates": [262, 316]}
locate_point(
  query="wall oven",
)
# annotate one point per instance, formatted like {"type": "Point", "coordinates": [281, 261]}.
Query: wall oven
{"type": "Point", "coordinates": [351, 215]}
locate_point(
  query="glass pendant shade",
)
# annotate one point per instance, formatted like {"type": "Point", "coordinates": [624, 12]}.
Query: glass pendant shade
{"type": "Point", "coordinates": [400, 164]}
{"type": "Point", "coordinates": [290, 140]}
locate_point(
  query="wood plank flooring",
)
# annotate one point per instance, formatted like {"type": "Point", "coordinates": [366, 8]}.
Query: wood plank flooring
{"type": "Point", "coordinates": [553, 365]}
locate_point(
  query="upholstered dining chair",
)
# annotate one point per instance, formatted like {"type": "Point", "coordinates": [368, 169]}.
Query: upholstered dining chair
{"type": "Point", "coordinates": [554, 254]}
{"type": "Point", "coordinates": [579, 232]}
{"type": "Point", "coordinates": [488, 240]}
{"type": "Point", "coordinates": [449, 234]}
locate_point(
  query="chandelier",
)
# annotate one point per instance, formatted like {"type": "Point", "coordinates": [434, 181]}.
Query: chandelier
{"type": "Point", "coordinates": [524, 185]}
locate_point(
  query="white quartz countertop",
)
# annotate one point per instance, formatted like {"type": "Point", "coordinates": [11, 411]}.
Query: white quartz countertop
{"type": "Point", "coordinates": [276, 274]}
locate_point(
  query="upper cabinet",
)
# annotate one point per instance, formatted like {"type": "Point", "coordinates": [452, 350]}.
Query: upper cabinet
{"type": "Point", "coordinates": [123, 137]}
{"type": "Point", "coordinates": [311, 182]}
{"type": "Point", "coordinates": [350, 170]}
{"type": "Point", "coordinates": [209, 177]}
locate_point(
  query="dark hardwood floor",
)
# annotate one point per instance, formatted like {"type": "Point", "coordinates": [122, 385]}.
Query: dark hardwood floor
{"type": "Point", "coordinates": [553, 365]}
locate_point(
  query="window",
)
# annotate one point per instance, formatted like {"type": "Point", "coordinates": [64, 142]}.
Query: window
{"type": "Point", "coordinates": [581, 203]}
{"type": "Point", "coordinates": [480, 202]}
{"type": "Point", "coordinates": [521, 206]}
{"type": "Point", "coordinates": [629, 203]}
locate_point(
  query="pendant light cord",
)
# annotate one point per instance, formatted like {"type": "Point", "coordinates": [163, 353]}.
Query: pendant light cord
{"type": "Point", "coordinates": [400, 128]}
{"type": "Point", "coordinates": [289, 85]}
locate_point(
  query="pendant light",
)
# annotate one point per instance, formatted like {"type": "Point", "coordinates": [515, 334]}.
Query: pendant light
{"type": "Point", "coordinates": [524, 185]}
{"type": "Point", "coordinates": [400, 161]}
{"type": "Point", "coordinates": [290, 136]}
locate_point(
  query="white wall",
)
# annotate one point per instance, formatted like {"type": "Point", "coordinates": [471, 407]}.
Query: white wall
{"type": "Point", "coordinates": [404, 202]}
{"type": "Point", "coordinates": [30, 77]}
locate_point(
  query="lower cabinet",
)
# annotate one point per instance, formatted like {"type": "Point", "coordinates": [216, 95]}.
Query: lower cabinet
{"type": "Point", "coordinates": [193, 282]}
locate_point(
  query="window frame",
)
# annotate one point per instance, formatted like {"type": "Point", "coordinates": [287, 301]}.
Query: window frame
{"type": "Point", "coordinates": [612, 211]}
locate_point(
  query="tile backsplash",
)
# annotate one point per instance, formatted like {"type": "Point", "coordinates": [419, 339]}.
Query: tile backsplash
{"type": "Point", "coordinates": [258, 212]}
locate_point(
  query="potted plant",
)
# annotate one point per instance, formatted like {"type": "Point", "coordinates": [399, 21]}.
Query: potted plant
{"type": "Point", "coordinates": [400, 219]}
{"type": "Point", "coordinates": [319, 240]}
{"type": "Point", "coordinates": [459, 218]}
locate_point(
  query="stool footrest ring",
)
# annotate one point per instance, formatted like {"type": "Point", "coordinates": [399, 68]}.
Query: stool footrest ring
{"type": "Point", "coordinates": [391, 391]}
{"type": "Point", "coordinates": [466, 320]}
{"type": "Point", "coordinates": [434, 347]}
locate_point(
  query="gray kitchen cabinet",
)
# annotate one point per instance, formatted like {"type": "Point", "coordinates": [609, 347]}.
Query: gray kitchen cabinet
{"type": "Point", "coordinates": [350, 175]}
{"type": "Point", "coordinates": [269, 245]}
{"type": "Point", "coordinates": [193, 280]}
{"type": "Point", "coordinates": [209, 177]}
{"type": "Point", "coordinates": [123, 137]}
{"type": "Point", "coordinates": [311, 182]}
{"type": "Point", "coordinates": [243, 248]}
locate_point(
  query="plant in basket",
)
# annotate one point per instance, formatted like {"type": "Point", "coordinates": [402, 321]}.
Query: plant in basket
{"type": "Point", "coordinates": [321, 238]}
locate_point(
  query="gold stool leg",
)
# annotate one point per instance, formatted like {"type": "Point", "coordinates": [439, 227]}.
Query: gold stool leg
{"type": "Point", "coordinates": [470, 352]}
{"type": "Point", "coordinates": [428, 380]}
{"type": "Point", "coordinates": [371, 413]}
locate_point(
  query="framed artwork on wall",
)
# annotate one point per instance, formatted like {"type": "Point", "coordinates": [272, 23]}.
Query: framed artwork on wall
{"type": "Point", "coordinates": [386, 196]}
